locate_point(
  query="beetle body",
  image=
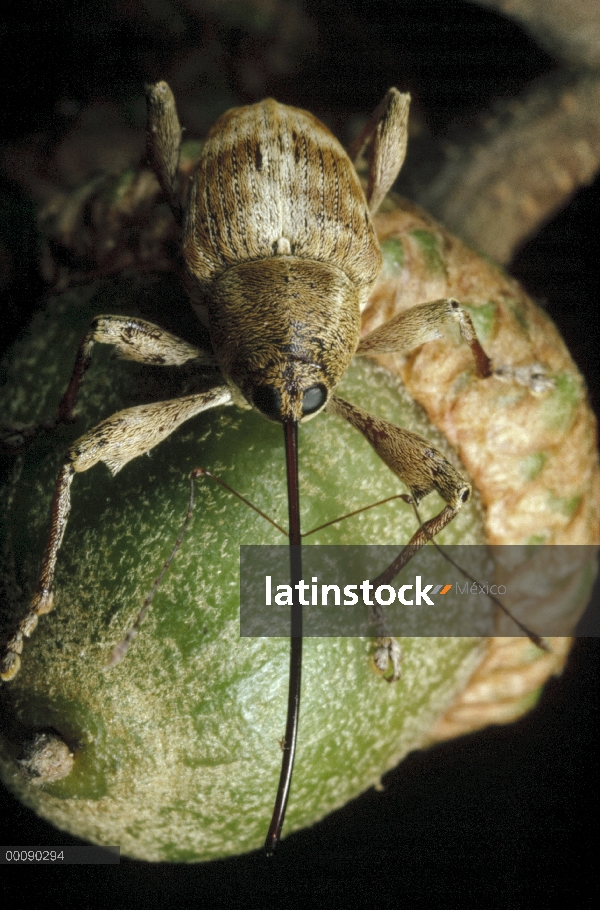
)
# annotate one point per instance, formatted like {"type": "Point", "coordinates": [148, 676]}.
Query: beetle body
{"type": "Point", "coordinates": [281, 250]}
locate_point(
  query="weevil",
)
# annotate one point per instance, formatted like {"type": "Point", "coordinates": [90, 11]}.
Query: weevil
{"type": "Point", "coordinates": [281, 256]}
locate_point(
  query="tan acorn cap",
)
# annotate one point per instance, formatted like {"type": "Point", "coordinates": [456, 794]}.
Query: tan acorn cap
{"type": "Point", "coordinates": [531, 451]}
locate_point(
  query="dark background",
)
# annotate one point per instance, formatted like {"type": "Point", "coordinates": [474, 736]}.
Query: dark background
{"type": "Point", "coordinates": [501, 816]}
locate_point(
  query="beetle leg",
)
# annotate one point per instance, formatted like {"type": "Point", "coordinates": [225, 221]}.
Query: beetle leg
{"type": "Point", "coordinates": [134, 339]}
{"type": "Point", "coordinates": [533, 376]}
{"type": "Point", "coordinates": [388, 651]}
{"type": "Point", "coordinates": [115, 441]}
{"type": "Point", "coordinates": [411, 457]}
{"type": "Point", "coordinates": [163, 142]}
{"type": "Point", "coordinates": [383, 140]}
{"type": "Point", "coordinates": [423, 323]}
{"type": "Point", "coordinates": [423, 469]}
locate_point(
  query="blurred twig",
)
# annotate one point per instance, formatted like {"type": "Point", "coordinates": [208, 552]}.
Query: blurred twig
{"type": "Point", "coordinates": [500, 182]}
{"type": "Point", "coordinates": [500, 185]}
{"type": "Point", "coordinates": [568, 29]}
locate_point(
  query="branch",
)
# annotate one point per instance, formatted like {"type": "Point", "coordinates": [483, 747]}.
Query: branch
{"type": "Point", "coordinates": [499, 184]}
{"type": "Point", "coordinates": [497, 188]}
{"type": "Point", "coordinates": [568, 29]}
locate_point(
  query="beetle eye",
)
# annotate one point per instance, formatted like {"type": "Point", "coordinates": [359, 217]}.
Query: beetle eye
{"type": "Point", "coordinates": [313, 399]}
{"type": "Point", "coordinates": [268, 401]}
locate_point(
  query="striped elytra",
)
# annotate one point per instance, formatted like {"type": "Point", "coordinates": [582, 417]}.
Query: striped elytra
{"type": "Point", "coordinates": [268, 174]}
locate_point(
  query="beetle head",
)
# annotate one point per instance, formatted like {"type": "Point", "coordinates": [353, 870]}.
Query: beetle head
{"type": "Point", "coordinates": [284, 331]}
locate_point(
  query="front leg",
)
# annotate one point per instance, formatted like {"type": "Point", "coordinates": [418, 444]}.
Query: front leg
{"type": "Point", "coordinates": [115, 441]}
{"type": "Point", "coordinates": [412, 459]}
{"type": "Point", "coordinates": [133, 339]}
{"type": "Point", "coordinates": [421, 324]}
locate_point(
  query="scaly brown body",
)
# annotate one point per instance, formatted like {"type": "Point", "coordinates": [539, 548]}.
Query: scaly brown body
{"type": "Point", "coordinates": [273, 181]}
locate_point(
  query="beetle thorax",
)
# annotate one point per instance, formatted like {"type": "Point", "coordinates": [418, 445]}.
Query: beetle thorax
{"type": "Point", "coordinates": [284, 331]}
